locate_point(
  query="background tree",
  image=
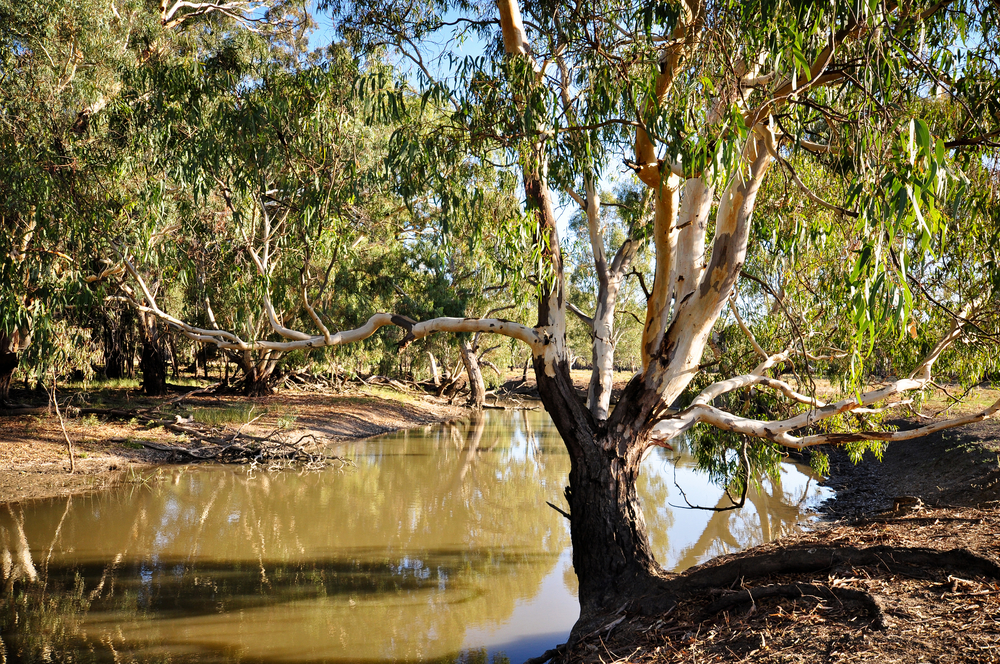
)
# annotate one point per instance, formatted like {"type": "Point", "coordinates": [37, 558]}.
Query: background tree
{"type": "Point", "coordinates": [70, 179]}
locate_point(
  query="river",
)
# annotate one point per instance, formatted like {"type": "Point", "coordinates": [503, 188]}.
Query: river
{"type": "Point", "coordinates": [436, 546]}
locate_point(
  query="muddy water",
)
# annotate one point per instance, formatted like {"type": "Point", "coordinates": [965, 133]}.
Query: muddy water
{"type": "Point", "coordinates": [438, 546]}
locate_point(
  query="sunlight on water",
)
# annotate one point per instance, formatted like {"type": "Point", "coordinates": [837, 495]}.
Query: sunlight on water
{"type": "Point", "coordinates": [438, 547]}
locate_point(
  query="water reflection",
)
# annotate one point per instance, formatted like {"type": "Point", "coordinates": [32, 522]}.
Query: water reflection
{"type": "Point", "coordinates": [437, 547]}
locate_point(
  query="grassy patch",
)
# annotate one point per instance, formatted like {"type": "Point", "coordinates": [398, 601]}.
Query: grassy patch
{"type": "Point", "coordinates": [389, 394]}
{"type": "Point", "coordinates": [238, 414]}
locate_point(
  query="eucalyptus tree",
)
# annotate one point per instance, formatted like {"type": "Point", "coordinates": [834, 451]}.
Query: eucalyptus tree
{"type": "Point", "coordinates": [69, 178]}
{"type": "Point", "coordinates": [263, 165]}
{"type": "Point", "coordinates": [704, 102]}
{"type": "Point", "coordinates": [62, 181]}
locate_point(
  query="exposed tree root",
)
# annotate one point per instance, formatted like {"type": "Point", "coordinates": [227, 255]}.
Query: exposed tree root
{"type": "Point", "coordinates": [897, 559]}
{"type": "Point", "coordinates": [766, 601]}
{"type": "Point", "coordinates": [795, 590]}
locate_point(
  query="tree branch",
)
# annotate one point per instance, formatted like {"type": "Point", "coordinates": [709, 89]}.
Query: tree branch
{"type": "Point", "coordinates": [588, 320]}
{"type": "Point", "coordinates": [780, 431]}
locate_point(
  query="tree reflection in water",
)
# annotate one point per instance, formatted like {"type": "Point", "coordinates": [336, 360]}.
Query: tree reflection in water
{"type": "Point", "coordinates": [684, 537]}
{"type": "Point", "coordinates": [438, 534]}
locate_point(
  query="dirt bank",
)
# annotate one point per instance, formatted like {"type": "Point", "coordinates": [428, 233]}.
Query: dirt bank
{"type": "Point", "coordinates": [952, 468]}
{"type": "Point", "coordinates": [34, 460]}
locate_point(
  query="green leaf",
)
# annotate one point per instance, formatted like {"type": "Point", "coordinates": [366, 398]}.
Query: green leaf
{"type": "Point", "coordinates": [923, 136]}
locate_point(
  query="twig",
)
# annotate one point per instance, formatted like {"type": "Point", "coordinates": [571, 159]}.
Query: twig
{"type": "Point", "coordinates": [558, 509]}
{"type": "Point", "coordinates": [745, 463]}
{"type": "Point", "coordinates": [69, 443]}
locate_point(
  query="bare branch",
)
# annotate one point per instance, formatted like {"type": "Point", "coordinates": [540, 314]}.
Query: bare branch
{"type": "Point", "coordinates": [587, 320]}
{"type": "Point", "coordinates": [780, 431]}
{"type": "Point", "coordinates": [746, 330]}
{"type": "Point", "coordinates": [414, 330]}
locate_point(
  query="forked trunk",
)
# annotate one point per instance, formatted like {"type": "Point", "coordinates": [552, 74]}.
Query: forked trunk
{"type": "Point", "coordinates": [256, 381]}
{"type": "Point", "coordinates": [611, 554]}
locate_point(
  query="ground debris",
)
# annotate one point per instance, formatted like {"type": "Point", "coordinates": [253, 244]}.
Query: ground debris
{"type": "Point", "coordinates": [932, 609]}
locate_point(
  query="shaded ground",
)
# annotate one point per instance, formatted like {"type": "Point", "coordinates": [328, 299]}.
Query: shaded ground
{"type": "Point", "coordinates": [955, 467]}
{"type": "Point", "coordinates": [895, 608]}
{"type": "Point", "coordinates": [34, 461]}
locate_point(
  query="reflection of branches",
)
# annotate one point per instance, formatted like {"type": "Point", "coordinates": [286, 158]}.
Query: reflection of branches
{"type": "Point", "coordinates": [716, 530]}
{"type": "Point", "coordinates": [55, 535]}
{"type": "Point", "coordinates": [744, 464]}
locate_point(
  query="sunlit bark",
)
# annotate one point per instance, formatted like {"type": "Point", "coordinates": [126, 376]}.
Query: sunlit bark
{"type": "Point", "coordinates": [477, 388]}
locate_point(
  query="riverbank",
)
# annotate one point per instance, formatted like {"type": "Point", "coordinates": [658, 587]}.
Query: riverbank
{"type": "Point", "coordinates": [34, 456]}
{"type": "Point", "coordinates": [902, 568]}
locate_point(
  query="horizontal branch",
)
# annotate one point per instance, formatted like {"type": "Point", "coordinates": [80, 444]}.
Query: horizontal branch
{"type": "Point", "coordinates": [779, 431]}
{"type": "Point", "coordinates": [732, 384]}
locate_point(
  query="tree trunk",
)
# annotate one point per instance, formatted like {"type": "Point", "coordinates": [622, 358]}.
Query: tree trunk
{"type": "Point", "coordinates": [256, 381]}
{"type": "Point", "coordinates": [477, 388]}
{"type": "Point", "coordinates": [154, 367]}
{"type": "Point", "coordinates": [173, 354]}
{"type": "Point", "coordinates": [8, 362]}
{"type": "Point", "coordinates": [611, 551]}
{"type": "Point", "coordinates": [119, 344]}
{"type": "Point", "coordinates": [435, 374]}
{"type": "Point", "coordinates": [255, 385]}
{"type": "Point", "coordinates": [10, 346]}
{"type": "Point", "coordinates": [611, 554]}
{"type": "Point", "coordinates": [603, 358]}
